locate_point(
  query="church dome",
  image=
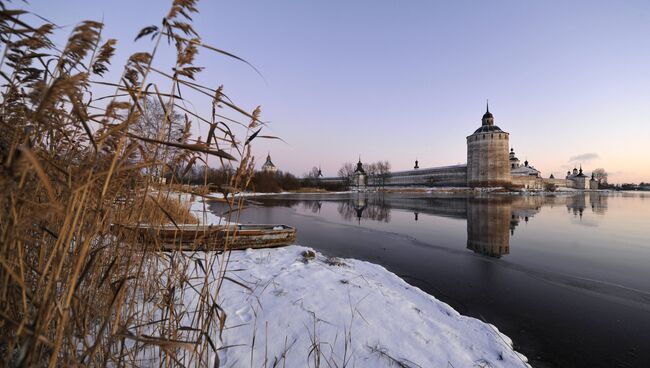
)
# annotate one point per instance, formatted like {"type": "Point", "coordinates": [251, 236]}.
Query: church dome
{"type": "Point", "coordinates": [489, 129]}
{"type": "Point", "coordinates": [488, 118]}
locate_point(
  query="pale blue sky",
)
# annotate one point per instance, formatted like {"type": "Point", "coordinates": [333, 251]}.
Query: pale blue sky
{"type": "Point", "coordinates": [396, 80]}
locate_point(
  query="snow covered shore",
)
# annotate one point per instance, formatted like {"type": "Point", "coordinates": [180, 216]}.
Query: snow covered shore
{"type": "Point", "coordinates": [300, 311]}
{"type": "Point", "coordinates": [303, 309]}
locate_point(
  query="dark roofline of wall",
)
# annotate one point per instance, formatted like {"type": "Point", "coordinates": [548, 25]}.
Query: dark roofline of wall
{"type": "Point", "coordinates": [413, 172]}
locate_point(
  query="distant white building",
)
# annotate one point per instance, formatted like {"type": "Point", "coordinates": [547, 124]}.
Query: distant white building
{"type": "Point", "coordinates": [580, 180]}
{"type": "Point", "coordinates": [524, 175]}
{"type": "Point", "coordinates": [268, 166]}
{"type": "Point", "coordinates": [516, 169]}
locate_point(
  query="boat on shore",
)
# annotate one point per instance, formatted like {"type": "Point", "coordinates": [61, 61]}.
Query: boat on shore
{"type": "Point", "coordinates": [193, 237]}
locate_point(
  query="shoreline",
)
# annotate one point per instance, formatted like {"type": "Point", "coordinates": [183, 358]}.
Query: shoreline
{"type": "Point", "coordinates": [349, 304]}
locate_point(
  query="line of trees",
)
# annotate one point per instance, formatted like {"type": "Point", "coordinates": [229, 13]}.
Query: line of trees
{"type": "Point", "coordinates": [263, 182]}
{"type": "Point", "coordinates": [631, 186]}
{"type": "Point", "coordinates": [377, 173]}
{"type": "Point", "coordinates": [601, 177]}
{"type": "Point", "coordinates": [312, 179]}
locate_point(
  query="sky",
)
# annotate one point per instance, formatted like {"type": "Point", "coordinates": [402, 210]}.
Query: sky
{"type": "Point", "coordinates": [406, 80]}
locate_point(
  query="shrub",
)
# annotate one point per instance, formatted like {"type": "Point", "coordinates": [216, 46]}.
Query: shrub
{"type": "Point", "coordinates": [550, 187]}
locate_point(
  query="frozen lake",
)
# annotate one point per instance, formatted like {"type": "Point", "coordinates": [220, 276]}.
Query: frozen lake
{"type": "Point", "coordinates": [567, 277]}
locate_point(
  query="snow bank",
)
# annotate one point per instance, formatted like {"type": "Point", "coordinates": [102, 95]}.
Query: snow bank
{"type": "Point", "coordinates": [343, 312]}
{"type": "Point", "coordinates": [566, 189]}
{"type": "Point", "coordinates": [200, 210]}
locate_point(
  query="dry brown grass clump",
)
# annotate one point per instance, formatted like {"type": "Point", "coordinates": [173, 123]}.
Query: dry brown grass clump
{"type": "Point", "coordinates": [73, 163]}
{"type": "Point", "coordinates": [168, 209]}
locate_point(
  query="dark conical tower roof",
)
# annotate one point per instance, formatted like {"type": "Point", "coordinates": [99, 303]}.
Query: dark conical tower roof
{"type": "Point", "coordinates": [487, 115]}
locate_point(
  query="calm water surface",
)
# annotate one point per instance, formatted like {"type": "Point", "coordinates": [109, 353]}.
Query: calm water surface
{"type": "Point", "coordinates": [566, 277]}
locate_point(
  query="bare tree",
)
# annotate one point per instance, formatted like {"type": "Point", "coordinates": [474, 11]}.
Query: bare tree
{"type": "Point", "coordinates": [312, 177]}
{"type": "Point", "coordinates": [601, 176]}
{"type": "Point", "coordinates": [383, 172]}
{"type": "Point", "coordinates": [371, 172]}
{"type": "Point", "coordinates": [346, 172]}
{"type": "Point", "coordinates": [314, 173]}
{"type": "Point", "coordinates": [160, 123]}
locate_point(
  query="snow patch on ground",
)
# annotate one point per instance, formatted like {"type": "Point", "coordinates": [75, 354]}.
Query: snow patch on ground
{"type": "Point", "coordinates": [200, 210]}
{"type": "Point", "coordinates": [566, 189]}
{"type": "Point", "coordinates": [303, 306]}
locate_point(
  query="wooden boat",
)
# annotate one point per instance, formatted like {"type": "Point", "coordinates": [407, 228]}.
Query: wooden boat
{"type": "Point", "coordinates": [211, 237]}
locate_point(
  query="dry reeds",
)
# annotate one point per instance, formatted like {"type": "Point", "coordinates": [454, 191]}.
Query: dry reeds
{"type": "Point", "coordinates": [72, 292]}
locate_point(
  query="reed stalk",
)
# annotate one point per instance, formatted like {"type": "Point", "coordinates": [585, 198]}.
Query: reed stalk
{"type": "Point", "coordinates": [74, 289]}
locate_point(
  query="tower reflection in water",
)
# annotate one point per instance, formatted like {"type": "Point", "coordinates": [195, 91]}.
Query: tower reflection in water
{"type": "Point", "coordinates": [489, 225]}
{"type": "Point", "coordinates": [491, 221]}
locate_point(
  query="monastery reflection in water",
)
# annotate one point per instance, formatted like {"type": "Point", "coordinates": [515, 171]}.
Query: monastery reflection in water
{"type": "Point", "coordinates": [491, 221]}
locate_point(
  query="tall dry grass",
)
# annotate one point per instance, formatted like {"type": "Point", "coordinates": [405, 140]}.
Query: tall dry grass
{"type": "Point", "coordinates": [72, 291]}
